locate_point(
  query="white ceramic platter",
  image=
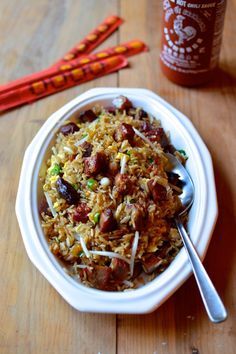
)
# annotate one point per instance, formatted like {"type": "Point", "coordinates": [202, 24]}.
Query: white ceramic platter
{"type": "Point", "coordinates": [202, 216]}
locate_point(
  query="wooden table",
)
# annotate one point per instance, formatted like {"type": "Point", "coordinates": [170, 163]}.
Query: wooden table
{"type": "Point", "coordinates": [34, 318]}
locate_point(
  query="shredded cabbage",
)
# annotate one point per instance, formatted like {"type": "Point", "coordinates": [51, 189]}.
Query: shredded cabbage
{"type": "Point", "coordinates": [133, 252]}
{"type": "Point", "coordinates": [110, 255]}
{"type": "Point", "coordinates": [81, 141]}
{"type": "Point", "coordinates": [84, 247]}
{"type": "Point", "coordinates": [123, 164]}
{"type": "Point", "coordinates": [137, 132]}
{"type": "Point", "coordinates": [66, 148]}
{"type": "Point", "coordinates": [49, 201]}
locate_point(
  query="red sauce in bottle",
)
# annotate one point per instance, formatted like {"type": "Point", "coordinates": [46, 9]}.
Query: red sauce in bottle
{"type": "Point", "coordinates": [191, 39]}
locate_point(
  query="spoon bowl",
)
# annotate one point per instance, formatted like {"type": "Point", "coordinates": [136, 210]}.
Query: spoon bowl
{"type": "Point", "coordinates": [187, 195]}
{"type": "Point", "coordinates": [211, 299]}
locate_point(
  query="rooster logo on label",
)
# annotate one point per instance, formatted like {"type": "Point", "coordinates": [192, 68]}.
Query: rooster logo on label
{"type": "Point", "coordinates": [184, 33]}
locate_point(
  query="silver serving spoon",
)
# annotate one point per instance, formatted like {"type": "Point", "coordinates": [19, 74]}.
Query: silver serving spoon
{"type": "Point", "coordinates": [212, 302]}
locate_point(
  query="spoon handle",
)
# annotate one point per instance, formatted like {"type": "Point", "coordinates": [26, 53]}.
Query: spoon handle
{"type": "Point", "coordinates": [211, 299]}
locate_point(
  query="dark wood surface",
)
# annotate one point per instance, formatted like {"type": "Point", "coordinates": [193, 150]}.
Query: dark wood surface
{"type": "Point", "coordinates": [34, 318]}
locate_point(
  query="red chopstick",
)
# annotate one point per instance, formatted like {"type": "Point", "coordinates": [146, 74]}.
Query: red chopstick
{"type": "Point", "coordinates": [39, 89]}
{"type": "Point", "coordinates": [93, 39]}
{"type": "Point", "coordinates": [77, 66]}
{"type": "Point", "coordinates": [127, 49]}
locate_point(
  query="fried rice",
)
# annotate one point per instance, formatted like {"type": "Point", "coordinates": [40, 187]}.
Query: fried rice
{"type": "Point", "coordinates": [109, 202]}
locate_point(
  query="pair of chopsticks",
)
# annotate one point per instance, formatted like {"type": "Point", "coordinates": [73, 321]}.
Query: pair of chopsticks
{"type": "Point", "coordinates": [77, 66]}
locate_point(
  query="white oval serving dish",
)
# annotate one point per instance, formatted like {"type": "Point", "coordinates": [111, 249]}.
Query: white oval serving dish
{"type": "Point", "coordinates": [202, 216]}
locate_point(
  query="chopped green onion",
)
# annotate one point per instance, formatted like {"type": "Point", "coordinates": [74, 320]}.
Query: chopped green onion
{"type": "Point", "coordinates": [76, 187]}
{"type": "Point", "coordinates": [56, 170]}
{"type": "Point", "coordinates": [84, 135]}
{"type": "Point", "coordinates": [183, 153]}
{"type": "Point", "coordinates": [96, 217]}
{"type": "Point", "coordinates": [150, 160]}
{"type": "Point", "coordinates": [128, 152]}
{"type": "Point", "coordinates": [91, 183]}
{"type": "Point", "coordinates": [135, 161]}
{"type": "Point", "coordinates": [80, 254]}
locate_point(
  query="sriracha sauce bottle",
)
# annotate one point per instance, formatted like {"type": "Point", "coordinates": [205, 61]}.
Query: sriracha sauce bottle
{"type": "Point", "coordinates": [191, 39]}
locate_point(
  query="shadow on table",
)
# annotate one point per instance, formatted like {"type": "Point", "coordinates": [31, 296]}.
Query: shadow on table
{"type": "Point", "coordinates": [224, 78]}
{"type": "Point", "coordinates": [221, 255]}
